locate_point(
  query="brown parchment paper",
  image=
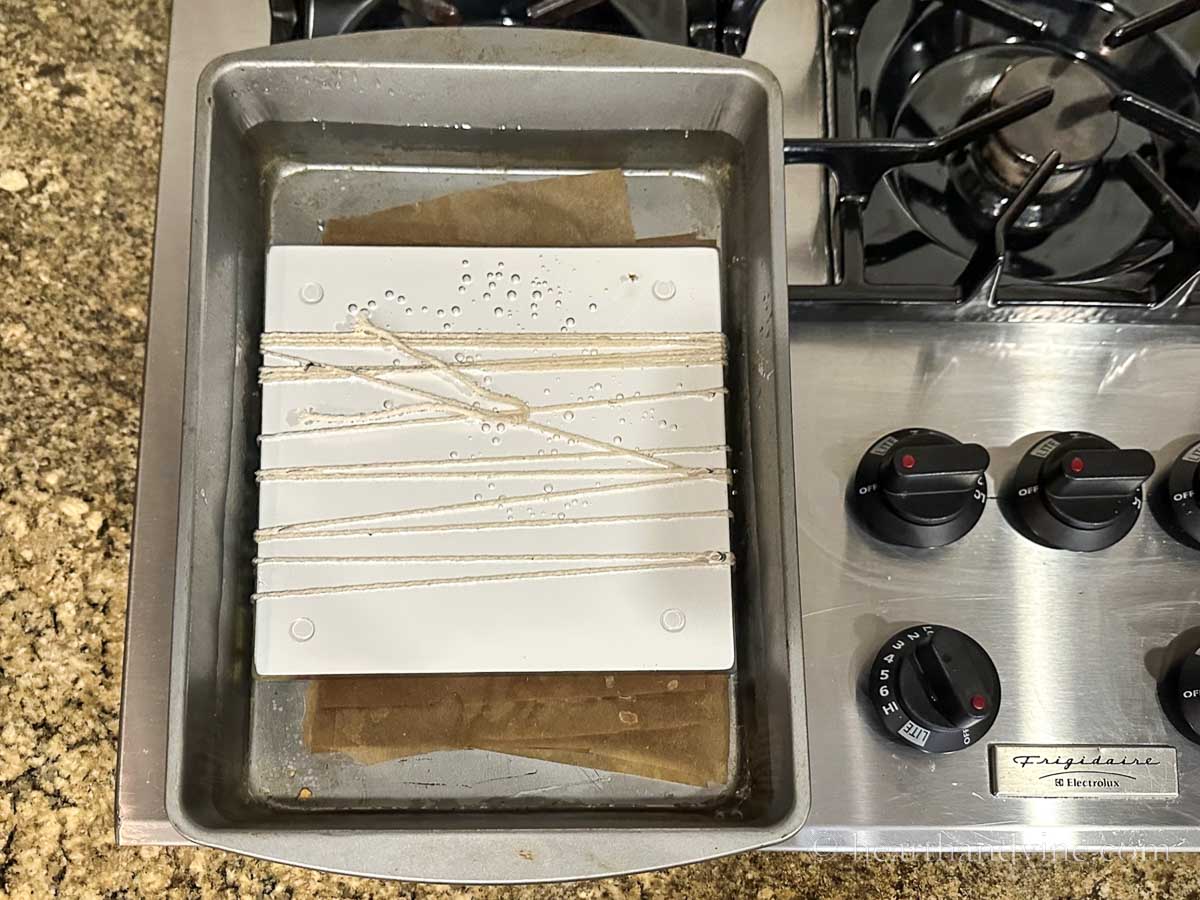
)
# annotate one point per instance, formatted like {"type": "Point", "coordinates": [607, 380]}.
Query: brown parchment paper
{"type": "Point", "coordinates": [673, 727]}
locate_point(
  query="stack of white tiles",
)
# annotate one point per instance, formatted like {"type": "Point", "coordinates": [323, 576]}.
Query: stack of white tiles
{"type": "Point", "coordinates": [493, 460]}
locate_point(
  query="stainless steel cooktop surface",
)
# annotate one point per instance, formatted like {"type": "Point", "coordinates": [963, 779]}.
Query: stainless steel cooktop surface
{"type": "Point", "coordinates": [1079, 640]}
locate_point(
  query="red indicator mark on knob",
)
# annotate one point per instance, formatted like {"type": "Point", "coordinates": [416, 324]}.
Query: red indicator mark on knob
{"type": "Point", "coordinates": [1076, 465]}
{"type": "Point", "coordinates": [979, 703]}
{"type": "Point", "coordinates": [908, 461]}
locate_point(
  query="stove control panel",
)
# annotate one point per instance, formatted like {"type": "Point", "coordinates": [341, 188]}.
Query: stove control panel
{"type": "Point", "coordinates": [934, 688]}
{"type": "Point", "coordinates": [963, 686]}
{"type": "Point", "coordinates": [1078, 491]}
{"type": "Point", "coordinates": [921, 488]}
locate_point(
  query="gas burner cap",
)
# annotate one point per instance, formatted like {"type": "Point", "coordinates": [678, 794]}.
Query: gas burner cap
{"type": "Point", "coordinates": [1079, 123]}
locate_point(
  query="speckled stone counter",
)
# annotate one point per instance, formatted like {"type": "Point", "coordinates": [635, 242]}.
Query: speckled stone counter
{"type": "Point", "coordinates": [80, 103]}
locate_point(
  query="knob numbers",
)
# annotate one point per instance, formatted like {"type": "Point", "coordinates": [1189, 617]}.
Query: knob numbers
{"type": "Point", "coordinates": [1077, 491]}
{"type": "Point", "coordinates": [921, 488]}
{"type": "Point", "coordinates": [934, 688]}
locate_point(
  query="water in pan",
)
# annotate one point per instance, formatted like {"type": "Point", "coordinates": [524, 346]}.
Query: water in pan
{"type": "Point", "coordinates": [678, 182]}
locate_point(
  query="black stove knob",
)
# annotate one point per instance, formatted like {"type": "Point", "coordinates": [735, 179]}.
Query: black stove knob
{"type": "Point", "coordinates": [1179, 693]}
{"type": "Point", "coordinates": [1183, 493]}
{"type": "Point", "coordinates": [921, 488]}
{"type": "Point", "coordinates": [934, 688]}
{"type": "Point", "coordinates": [1078, 491]}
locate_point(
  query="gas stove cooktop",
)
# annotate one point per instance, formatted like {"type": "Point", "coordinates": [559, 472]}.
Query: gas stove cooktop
{"type": "Point", "coordinates": [996, 426]}
{"type": "Point", "coordinates": [993, 251]}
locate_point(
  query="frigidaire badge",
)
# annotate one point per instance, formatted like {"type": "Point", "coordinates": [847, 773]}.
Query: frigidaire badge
{"type": "Point", "coordinates": [1081, 771]}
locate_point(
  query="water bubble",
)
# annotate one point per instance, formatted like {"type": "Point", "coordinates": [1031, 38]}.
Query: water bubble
{"type": "Point", "coordinates": [511, 295]}
{"type": "Point", "coordinates": [454, 454]}
{"type": "Point", "coordinates": [424, 309]}
{"type": "Point", "coordinates": [662, 423]}
{"type": "Point", "coordinates": [487, 381]}
{"type": "Point", "coordinates": [537, 295]}
{"type": "Point", "coordinates": [516, 279]}
{"type": "Point", "coordinates": [485, 427]}
{"type": "Point", "coordinates": [456, 310]}
{"type": "Point", "coordinates": [558, 302]}
{"type": "Point", "coordinates": [621, 421]}
{"type": "Point", "coordinates": [616, 439]}
{"type": "Point", "coordinates": [500, 265]}
{"type": "Point", "coordinates": [495, 441]}
{"type": "Point", "coordinates": [387, 404]}
{"type": "Point", "coordinates": [500, 426]}
{"type": "Point", "coordinates": [491, 485]}
{"type": "Point", "coordinates": [568, 416]}
{"type": "Point", "coordinates": [546, 391]}
{"type": "Point", "coordinates": [563, 329]}
{"type": "Point", "coordinates": [674, 427]}
{"type": "Point", "coordinates": [466, 262]}
{"type": "Point", "coordinates": [491, 285]}
{"type": "Point", "coordinates": [352, 308]}
{"type": "Point", "coordinates": [389, 294]}
{"type": "Point", "coordinates": [460, 357]}
{"type": "Point", "coordinates": [498, 312]}
{"type": "Point", "coordinates": [592, 307]}
{"type": "Point", "coordinates": [441, 314]}
{"type": "Point", "coordinates": [462, 288]}
{"type": "Point", "coordinates": [408, 310]}
{"type": "Point", "coordinates": [466, 279]}
{"type": "Point", "coordinates": [562, 515]}
{"type": "Point", "coordinates": [533, 307]}
{"type": "Point", "coordinates": [479, 496]}
{"type": "Point", "coordinates": [570, 322]}
{"type": "Point", "coordinates": [548, 488]}
{"type": "Point", "coordinates": [446, 326]}
{"type": "Point", "coordinates": [554, 452]}
{"type": "Point", "coordinates": [371, 304]}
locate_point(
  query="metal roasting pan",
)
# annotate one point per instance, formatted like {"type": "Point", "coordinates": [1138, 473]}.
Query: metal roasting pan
{"type": "Point", "coordinates": [291, 135]}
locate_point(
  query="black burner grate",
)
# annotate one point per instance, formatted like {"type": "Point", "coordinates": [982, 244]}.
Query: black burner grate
{"type": "Point", "coordinates": [1071, 171]}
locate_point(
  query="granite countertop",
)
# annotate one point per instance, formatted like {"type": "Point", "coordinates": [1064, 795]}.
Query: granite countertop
{"type": "Point", "coordinates": [80, 106]}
